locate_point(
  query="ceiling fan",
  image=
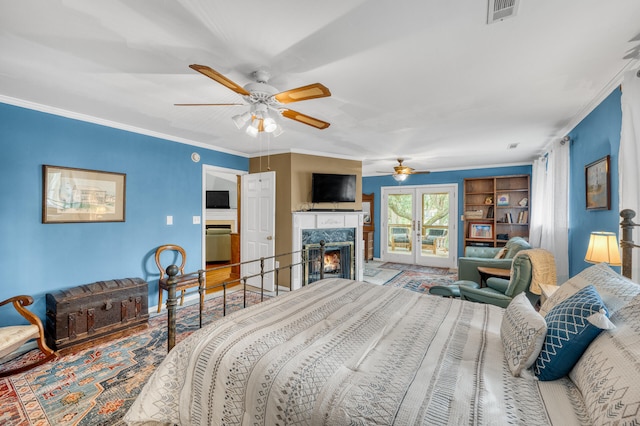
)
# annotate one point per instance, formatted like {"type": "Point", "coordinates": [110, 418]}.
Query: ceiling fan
{"type": "Point", "coordinates": [265, 102]}
{"type": "Point", "coordinates": [402, 172]}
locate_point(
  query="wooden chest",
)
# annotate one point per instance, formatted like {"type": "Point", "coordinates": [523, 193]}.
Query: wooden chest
{"type": "Point", "coordinates": [80, 316]}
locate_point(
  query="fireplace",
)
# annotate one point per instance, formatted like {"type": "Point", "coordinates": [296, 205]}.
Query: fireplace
{"type": "Point", "coordinates": [337, 261]}
{"type": "Point", "coordinates": [341, 231]}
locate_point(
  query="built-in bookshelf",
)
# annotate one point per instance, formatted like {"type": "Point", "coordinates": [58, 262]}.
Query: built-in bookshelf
{"type": "Point", "coordinates": [495, 209]}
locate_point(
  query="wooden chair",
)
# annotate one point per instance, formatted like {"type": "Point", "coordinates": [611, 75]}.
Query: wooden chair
{"type": "Point", "coordinates": [12, 337]}
{"type": "Point", "coordinates": [184, 282]}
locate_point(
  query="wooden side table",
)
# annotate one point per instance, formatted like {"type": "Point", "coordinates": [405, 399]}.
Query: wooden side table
{"type": "Point", "coordinates": [486, 272]}
{"type": "Point", "coordinates": [547, 292]}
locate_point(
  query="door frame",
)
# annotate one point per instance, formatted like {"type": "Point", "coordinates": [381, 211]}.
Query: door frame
{"type": "Point", "coordinates": [415, 190]}
{"type": "Point", "coordinates": [203, 222]}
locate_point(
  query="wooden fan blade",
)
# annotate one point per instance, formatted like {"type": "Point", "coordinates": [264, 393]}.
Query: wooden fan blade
{"type": "Point", "coordinates": [208, 104]}
{"type": "Point", "coordinates": [314, 122]}
{"type": "Point", "coordinates": [420, 172]}
{"type": "Point", "coordinates": [215, 75]}
{"type": "Point", "coordinates": [303, 93]}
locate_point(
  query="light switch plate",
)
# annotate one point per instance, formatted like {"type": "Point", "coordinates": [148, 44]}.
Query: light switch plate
{"type": "Point", "coordinates": [169, 220]}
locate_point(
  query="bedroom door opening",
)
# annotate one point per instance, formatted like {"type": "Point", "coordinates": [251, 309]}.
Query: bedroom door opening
{"type": "Point", "coordinates": [419, 225]}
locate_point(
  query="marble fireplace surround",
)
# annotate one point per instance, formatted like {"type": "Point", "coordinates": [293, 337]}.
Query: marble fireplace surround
{"type": "Point", "coordinates": [330, 226]}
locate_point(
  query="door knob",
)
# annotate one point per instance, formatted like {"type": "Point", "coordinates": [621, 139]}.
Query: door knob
{"type": "Point", "coordinates": [269, 238]}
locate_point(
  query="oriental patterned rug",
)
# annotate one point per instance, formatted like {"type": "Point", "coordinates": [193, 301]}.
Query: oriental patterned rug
{"type": "Point", "coordinates": [420, 278]}
{"type": "Point", "coordinates": [97, 386]}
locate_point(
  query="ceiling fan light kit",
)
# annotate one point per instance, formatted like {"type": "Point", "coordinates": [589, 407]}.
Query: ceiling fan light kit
{"type": "Point", "coordinates": [265, 102]}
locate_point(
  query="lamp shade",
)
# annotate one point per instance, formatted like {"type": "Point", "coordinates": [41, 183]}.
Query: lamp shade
{"type": "Point", "coordinates": [603, 247]}
{"type": "Point", "coordinates": [399, 177]}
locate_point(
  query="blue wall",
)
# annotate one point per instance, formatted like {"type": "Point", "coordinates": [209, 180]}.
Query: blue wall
{"type": "Point", "coordinates": [161, 180]}
{"type": "Point", "coordinates": [596, 136]}
{"type": "Point", "coordinates": [373, 185]}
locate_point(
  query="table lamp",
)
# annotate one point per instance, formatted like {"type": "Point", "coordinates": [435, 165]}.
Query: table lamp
{"type": "Point", "coordinates": [603, 247]}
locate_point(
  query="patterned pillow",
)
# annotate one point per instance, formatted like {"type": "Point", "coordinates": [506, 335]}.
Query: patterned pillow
{"type": "Point", "coordinates": [522, 331]}
{"type": "Point", "coordinates": [571, 326]}
{"type": "Point", "coordinates": [608, 373]}
{"type": "Point", "coordinates": [614, 289]}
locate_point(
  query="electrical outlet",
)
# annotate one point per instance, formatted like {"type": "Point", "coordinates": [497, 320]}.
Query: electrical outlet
{"type": "Point", "coordinates": [196, 220]}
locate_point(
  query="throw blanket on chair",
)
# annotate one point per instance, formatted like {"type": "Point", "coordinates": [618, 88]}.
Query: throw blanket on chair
{"type": "Point", "coordinates": [543, 268]}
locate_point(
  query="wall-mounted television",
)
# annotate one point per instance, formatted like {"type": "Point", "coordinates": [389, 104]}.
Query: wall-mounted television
{"type": "Point", "coordinates": [333, 188]}
{"type": "Point", "coordinates": [217, 199]}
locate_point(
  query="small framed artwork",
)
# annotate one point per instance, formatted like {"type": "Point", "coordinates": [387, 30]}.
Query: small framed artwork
{"type": "Point", "coordinates": [480, 230]}
{"type": "Point", "coordinates": [72, 195]}
{"type": "Point", "coordinates": [503, 199]}
{"type": "Point", "coordinates": [598, 184]}
{"type": "Point", "coordinates": [367, 209]}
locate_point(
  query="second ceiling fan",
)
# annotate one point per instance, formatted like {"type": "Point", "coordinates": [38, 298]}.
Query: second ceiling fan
{"type": "Point", "coordinates": [265, 101]}
{"type": "Point", "coordinates": [402, 172]}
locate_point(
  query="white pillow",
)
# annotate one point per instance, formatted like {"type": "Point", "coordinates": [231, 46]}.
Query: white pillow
{"type": "Point", "coordinates": [614, 289]}
{"type": "Point", "coordinates": [608, 373]}
{"type": "Point", "coordinates": [522, 331]}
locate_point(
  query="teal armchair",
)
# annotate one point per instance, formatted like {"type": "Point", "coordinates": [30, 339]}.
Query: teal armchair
{"type": "Point", "coordinates": [500, 291]}
{"type": "Point", "coordinates": [485, 256]}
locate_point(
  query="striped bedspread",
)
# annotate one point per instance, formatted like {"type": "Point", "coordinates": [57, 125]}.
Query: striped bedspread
{"type": "Point", "coordinates": [345, 352]}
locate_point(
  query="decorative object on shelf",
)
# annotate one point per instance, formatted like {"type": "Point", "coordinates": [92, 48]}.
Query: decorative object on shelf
{"type": "Point", "coordinates": [524, 202]}
{"type": "Point", "coordinates": [503, 199]}
{"type": "Point", "coordinates": [603, 247]}
{"type": "Point", "coordinates": [502, 236]}
{"type": "Point", "coordinates": [490, 212]}
{"type": "Point", "coordinates": [488, 200]}
{"type": "Point", "coordinates": [473, 214]}
{"type": "Point", "coordinates": [598, 184]}
{"type": "Point", "coordinates": [481, 230]}
{"type": "Point", "coordinates": [79, 195]}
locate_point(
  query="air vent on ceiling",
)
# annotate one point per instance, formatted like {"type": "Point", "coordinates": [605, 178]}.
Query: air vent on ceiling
{"type": "Point", "coordinates": [501, 9]}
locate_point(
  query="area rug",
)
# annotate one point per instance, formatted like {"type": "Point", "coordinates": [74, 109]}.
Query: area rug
{"type": "Point", "coordinates": [374, 274]}
{"type": "Point", "coordinates": [418, 268]}
{"type": "Point", "coordinates": [423, 281]}
{"type": "Point", "coordinates": [97, 386]}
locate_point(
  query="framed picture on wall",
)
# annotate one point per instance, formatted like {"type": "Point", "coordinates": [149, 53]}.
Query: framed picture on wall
{"type": "Point", "coordinates": [367, 209]}
{"type": "Point", "coordinates": [78, 195]}
{"type": "Point", "coordinates": [598, 184]}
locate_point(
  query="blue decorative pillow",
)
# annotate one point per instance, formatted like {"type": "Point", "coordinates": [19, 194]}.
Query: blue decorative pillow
{"type": "Point", "coordinates": [571, 326]}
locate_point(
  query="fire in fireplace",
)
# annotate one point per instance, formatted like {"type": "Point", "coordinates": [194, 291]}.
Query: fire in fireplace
{"type": "Point", "coordinates": [338, 261]}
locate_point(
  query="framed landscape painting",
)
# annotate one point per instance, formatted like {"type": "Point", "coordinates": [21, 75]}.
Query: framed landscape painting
{"type": "Point", "coordinates": [598, 184]}
{"type": "Point", "coordinates": [72, 195]}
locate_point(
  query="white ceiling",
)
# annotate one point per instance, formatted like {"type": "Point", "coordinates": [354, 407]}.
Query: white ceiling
{"type": "Point", "coordinates": [428, 81]}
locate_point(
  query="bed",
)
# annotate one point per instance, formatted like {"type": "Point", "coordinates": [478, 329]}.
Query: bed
{"type": "Point", "coordinates": [347, 352]}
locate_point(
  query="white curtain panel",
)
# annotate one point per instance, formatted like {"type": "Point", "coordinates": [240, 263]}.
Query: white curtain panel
{"type": "Point", "coordinates": [550, 206]}
{"type": "Point", "coordinates": [629, 156]}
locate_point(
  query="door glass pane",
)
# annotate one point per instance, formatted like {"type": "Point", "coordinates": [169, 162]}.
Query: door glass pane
{"type": "Point", "coordinates": [435, 225]}
{"type": "Point", "coordinates": [399, 220]}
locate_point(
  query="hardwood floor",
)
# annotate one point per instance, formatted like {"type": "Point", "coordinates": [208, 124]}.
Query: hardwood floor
{"type": "Point", "coordinates": [218, 273]}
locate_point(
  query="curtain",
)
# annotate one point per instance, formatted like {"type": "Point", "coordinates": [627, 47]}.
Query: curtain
{"type": "Point", "coordinates": [550, 205]}
{"type": "Point", "coordinates": [629, 156]}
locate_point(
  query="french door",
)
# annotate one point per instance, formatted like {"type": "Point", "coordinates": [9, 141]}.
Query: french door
{"type": "Point", "coordinates": [419, 225]}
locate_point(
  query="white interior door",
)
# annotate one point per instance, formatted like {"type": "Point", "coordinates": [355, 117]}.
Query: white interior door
{"type": "Point", "coordinates": [419, 225]}
{"type": "Point", "coordinates": [257, 236]}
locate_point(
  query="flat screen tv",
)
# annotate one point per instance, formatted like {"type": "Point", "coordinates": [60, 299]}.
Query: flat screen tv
{"type": "Point", "coordinates": [217, 199]}
{"type": "Point", "coordinates": [333, 188]}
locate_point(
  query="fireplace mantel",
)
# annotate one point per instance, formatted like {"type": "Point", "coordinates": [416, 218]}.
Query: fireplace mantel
{"type": "Point", "coordinates": [326, 220]}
